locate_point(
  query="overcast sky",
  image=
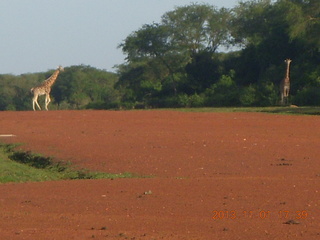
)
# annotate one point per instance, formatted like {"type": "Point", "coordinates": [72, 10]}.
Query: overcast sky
{"type": "Point", "coordinates": [38, 35]}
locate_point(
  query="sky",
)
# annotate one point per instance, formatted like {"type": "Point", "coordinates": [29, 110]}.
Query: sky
{"type": "Point", "coordinates": [39, 35]}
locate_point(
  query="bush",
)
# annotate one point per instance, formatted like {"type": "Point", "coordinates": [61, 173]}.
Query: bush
{"type": "Point", "coordinates": [197, 100]}
{"type": "Point", "coordinates": [103, 105]}
{"type": "Point", "coordinates": [308, 96]}
{"type": "Point", "coordinates": [262, 94]}
{"type": "Point", "coordinates": [183, 100]}
{"type": "Point", "coordinates": [267, 94]}
{"type": "Point", "coordinates": [248, 96]}
{"type": "Point", "coordinates": [223, 93]}
{"type": "Point", "coordinates": [194, 100]}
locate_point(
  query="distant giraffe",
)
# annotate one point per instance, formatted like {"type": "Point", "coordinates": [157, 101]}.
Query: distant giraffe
{"type": "Point", "coordinates": [285, 84]}
{"type": "Point", "coordinates": [44, 89]}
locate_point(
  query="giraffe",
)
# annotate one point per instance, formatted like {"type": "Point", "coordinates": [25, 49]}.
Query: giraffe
{"type": "Point", "coordinates": [44, 89]}
{"type": "Point", "coordinates": [285, 84]}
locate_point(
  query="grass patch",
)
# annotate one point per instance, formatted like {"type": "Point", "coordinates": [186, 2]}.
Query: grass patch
{"type": "Point", "coordinates": [20, 166]}
{"type": "Point", "coordinates": [293, 110]}
{"type": "Point", "coordinates": [277, 110]}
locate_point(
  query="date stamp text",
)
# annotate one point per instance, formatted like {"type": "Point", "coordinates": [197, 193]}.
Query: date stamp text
{"type": "Point", "coordinates": [259, 214]}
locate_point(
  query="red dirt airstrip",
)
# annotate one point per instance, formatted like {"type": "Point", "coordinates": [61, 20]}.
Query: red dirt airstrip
{"type": "Point", "coordinates": [215, 176]}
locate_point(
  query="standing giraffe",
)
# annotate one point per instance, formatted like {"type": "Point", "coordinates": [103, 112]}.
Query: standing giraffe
{"type": "Point", "coordinates": [285, 84]}
{"type": "Point", "coordinates": [44, 89]}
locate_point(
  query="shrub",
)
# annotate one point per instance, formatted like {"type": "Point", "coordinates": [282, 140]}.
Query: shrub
{"type": "Point", "coordinates": [194, 100]}
{"type": "Point", "coordinates": [248, 96]}
{"type": "Point", "coordinates": [308, 96]}
{"type": "Point", "coordinates": [223, 93]}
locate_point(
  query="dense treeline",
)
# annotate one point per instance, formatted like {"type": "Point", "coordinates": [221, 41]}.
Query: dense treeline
{"type": "Point", "coordinates": [178, 62]}
{"type": "Point", "coordinates": [77, 87]}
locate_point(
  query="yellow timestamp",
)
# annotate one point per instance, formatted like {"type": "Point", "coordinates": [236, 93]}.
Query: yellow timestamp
{"type": "Point", "coordinates": [259, 214]}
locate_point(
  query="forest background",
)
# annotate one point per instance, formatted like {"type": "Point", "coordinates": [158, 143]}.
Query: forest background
{"type": "Point", "coordinates": [196, 56]}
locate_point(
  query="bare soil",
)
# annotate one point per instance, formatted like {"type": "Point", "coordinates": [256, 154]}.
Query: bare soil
{"type": "Point", "coordinates": [214, 176]}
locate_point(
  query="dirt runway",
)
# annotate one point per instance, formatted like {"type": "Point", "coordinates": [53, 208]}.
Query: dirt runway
{"type": "Point", "coordinates": [214, 176]}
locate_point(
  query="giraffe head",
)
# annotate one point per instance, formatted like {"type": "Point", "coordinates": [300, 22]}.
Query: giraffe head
{"type": "Point", "coordinates": [288, 61]}
{"type": "Point", "coordinates": [60, 68]}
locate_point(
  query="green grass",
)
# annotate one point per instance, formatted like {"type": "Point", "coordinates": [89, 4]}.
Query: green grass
{"type": "Point", "coordinates": [19, 166]}
{"type": "Point", "coordinates": [293, 110]}
{"type": "Point", "coordinates": [278, 110]}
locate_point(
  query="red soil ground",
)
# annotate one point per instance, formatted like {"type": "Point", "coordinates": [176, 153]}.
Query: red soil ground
{"type": "Point", "coordinates": [216, 176]}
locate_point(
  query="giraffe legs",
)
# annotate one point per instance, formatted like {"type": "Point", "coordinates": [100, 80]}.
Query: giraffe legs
{"type": "Point", "coordinates": [48, 100]}
{"type": "Point", "coordinates": [284, 99]}
{"type": "Point", "coordinates": [285, 96]}
{"type": "Point", "coordinates": [35, 101]}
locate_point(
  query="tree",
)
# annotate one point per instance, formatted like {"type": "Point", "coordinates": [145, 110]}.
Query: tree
{"type": "Point", "coordinates": [171, 54]}
{"type": "Point", "coordinates": [196, 28]}
{"type": "Point", "coordinates": [224, 92]}
{"type": "Point", "coordinates": [80, 86]}
{"type": "Point", "coordinates": [304, 21]}
{"type": "Point", "coordinates": [202, 71]}
{"type": "Point", "coordinates": [151, 42]}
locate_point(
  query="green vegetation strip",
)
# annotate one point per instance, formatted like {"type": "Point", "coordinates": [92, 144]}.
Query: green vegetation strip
{"type": "Point", "coordinates": [277, 110]}
{"type": "Point", "coordinates": [20, 166]}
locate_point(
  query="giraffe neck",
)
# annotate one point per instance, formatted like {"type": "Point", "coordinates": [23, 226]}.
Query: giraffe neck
{"type": "Point", "coordinates": [52, 78]}
{"type": "Point", "coordinates": [288, 72]}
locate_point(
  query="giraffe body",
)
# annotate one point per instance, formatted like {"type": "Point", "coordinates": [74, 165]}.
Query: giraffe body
{"type": "Point", "coordinates": [285, 84]}
{"type": "Point", "coordinates": [45, 89]}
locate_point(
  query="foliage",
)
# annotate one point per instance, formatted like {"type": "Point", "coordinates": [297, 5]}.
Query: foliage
{"type": "Point", "coordinates": [170, 53]}
{"type": "Point", "coordinates": [308, 96]}
{"type": "Point", "coordinates": [267, 33]}
{"type": "Point", "coordinates": [197, 28]}
{"type": "Point", "coordinates": [223, 93]}
{"type": "Point", "coordinates": [248, 96]}
{"type": "Point", "coordinates": [194, 100]}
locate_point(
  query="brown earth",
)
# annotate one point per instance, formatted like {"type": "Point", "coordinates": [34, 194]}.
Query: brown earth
{"type": "Point", "coordinates": [215, 176]}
